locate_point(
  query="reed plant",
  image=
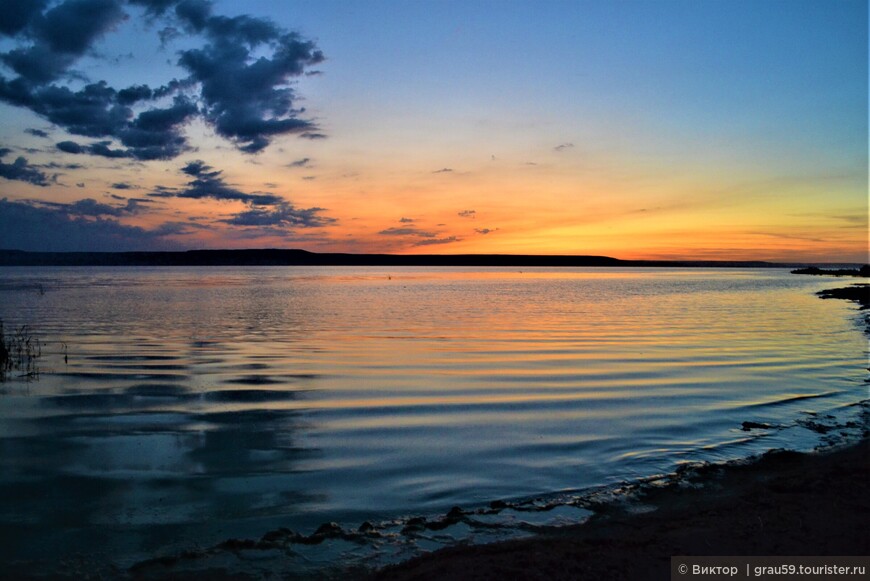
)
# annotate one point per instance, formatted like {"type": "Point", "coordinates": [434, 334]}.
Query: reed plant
{"type": "Point", "coordinates": [19, 351]}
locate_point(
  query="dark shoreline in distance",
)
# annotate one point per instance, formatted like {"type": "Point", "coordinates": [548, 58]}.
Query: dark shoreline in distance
{"type": "Point", "coordinates": [863, 272]}
{"type": "Point", "coordinates": [296, 257]}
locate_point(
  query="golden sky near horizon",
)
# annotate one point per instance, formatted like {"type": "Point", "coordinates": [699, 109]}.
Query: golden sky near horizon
{"type": "Point", "coordinates": [527, 128]}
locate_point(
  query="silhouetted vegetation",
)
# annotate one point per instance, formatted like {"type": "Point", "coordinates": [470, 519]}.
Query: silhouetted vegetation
{"type": "Point", "coordinates": [860, 293]}
{"type": "Point", "coordinates": [19, 351]}
{"type": "Point", "coordinates": [864, 271]}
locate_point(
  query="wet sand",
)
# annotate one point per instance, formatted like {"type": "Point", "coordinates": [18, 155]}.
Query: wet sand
{"type": "Point", "coordinates": [785, 503]}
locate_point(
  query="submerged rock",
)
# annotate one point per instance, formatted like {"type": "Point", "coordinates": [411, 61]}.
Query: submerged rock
{"type": "Point", "coordinates": [281, 535]}
{"type": "Point", "coordinates": [859, 293]}
{"type": "Point", "coordinates": [455, 512]}
{"type": "Point", "coordinates": [329, 529]}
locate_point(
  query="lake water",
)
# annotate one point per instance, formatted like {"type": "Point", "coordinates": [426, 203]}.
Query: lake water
{"type": "Point", "coordinates": [201, 404]}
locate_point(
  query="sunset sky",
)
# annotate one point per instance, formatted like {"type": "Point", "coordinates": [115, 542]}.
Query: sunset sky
{"type": "Point", "coordinates": [654, 129]}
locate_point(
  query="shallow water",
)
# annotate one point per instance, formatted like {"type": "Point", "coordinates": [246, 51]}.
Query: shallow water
{"type": "Point", "coordinates": [200, 404]}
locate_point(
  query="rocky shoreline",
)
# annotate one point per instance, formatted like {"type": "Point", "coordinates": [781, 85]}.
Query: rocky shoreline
{"type": "Point", "coordinates": [785, 503]}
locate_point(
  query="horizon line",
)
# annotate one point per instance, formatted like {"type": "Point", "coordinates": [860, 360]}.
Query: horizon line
{"type": "Point", "coordinates": [302, 257]}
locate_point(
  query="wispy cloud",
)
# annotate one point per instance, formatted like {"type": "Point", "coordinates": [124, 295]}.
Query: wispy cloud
{"type": "Point", "coordinates": [208, 183]}
{"type": "Point", "coordinates": [410, 231]}
{"type": "Point", "coordinates": [563, 146]}
{"type": "Point", "coordinates": [300, 162]}
{"type": "Point", "coordinates": [467, 214]}
{"type": "Point", "coordinates": [435, 241]}
{"type": "Point", "coordinates": [284, 215]}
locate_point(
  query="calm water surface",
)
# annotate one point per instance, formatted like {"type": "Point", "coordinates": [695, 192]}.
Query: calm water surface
{"type": "Point", "coordinates": [200, 404]}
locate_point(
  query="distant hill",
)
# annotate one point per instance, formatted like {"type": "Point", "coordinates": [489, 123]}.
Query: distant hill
{"type": "Point", "coordinates": [295, 257]}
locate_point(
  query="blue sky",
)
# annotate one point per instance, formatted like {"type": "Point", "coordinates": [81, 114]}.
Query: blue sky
{"type": "Point", "coordinates": [638, 129]}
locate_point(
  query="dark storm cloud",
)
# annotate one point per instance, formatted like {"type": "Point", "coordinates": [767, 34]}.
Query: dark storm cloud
{"type": "Point", "coordinates": [36, 64]}
{"type": "Point", "coordinates": [154, 134]}
{"type": "Point", "coordinates": [208, 183]}
{"type": "Point", "coordinates": [199, 168]}
{"type": "Point", "coordinates": [238, 79]}
{"type": "Point", "coordinates": [284, 214]}
{"type": "Point", "coordinates": [72, 26]}
{"type": "Point", "coordinates": [59, 36]}
{"type": "Point", "coordinates": [17, 15]}
{"type": "Point", "coordinates": [70, 147]}
{"type": "Point", "coordinates": [95, 111]}
{"type": "Point", "coordinates": [91, 111]}
{"type": "Point", "coordinates": [433, 241]}
{"type": "Point", "coordinates": [246, 100]}
{"type": "Point", "coordinates": [194, 12]}
{"type": "Point", "coordinates": [89, 207]}
{"type": "Point", "coordinates": [155, 7]}
{"type": "Point", "coordinates": [20, 170]}
{"type": "Point", "coordinates": [27, 226]}
{"type": "Point", "coordinates": [102, 149]}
